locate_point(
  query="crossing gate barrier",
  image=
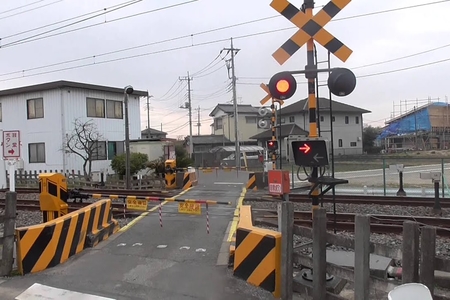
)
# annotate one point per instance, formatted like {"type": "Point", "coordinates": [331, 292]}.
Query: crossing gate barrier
{"type": "Point", "coordinates": [257, 181]}
{"type": "Point", "coordinates": [257, 254]}
{"type": "Point", "coordinates": [46, 245]}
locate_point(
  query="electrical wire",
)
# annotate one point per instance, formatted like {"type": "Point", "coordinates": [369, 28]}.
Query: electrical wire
{"type": "Point", "coordinates": [19, 7]}
{"type": "Point", "coordinates": [173, 39]}
{"type": "Point", "coordinates": [66, 20]}
{"type": "Point", "coordinates": [138, 55]}
{"type": "Point", "coordinates": [28, 10]}
{"type": "Point", "coordinates": [202, 70]}
{"type": "Point", "coordinates": [28, 39]}
{"type": "Point", "coordinates": [212, 72]}
{"type": "Point", "coordinates": [176, 81]}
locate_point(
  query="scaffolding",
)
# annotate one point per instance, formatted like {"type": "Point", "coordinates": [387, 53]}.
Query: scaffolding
{"type": "Point", "coordinates": [424, 126]}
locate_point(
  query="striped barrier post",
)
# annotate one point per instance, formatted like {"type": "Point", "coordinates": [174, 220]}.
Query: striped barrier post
{"type": "Point", "coordinates": [251, 183]}
{"type": "Point", "coordinates": [257, 254]}
{"type": "Point", "coordinates": [46, 245]}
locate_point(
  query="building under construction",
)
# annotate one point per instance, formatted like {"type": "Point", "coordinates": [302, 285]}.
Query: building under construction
{"type": "Point", "coordinates": [424, 127]}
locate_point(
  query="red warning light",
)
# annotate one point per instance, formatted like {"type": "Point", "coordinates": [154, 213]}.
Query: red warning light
{"type": "Point", "coordinates": [271, 144]}
{"type": "Point", "coordinates": [305, 148]}
{"type": "Point", "coordinates": [283, 86]}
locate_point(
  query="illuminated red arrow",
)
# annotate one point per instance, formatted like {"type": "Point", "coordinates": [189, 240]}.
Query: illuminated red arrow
{"type": "Point", "coordinates": [11, 151]}
{"type": "Point", "coordinates": [305, 149]}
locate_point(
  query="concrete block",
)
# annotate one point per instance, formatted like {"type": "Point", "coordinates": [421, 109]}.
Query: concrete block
{"type": "Point", "coordinates": [378, 264]}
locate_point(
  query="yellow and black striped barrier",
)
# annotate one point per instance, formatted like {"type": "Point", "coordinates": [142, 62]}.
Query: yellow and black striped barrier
{"type": "Point", "coordinates": [46, 245]}
{"type": "Point", "coordinates": [257, 254]}
{"type": "Point", "coordinates": [160, 199]}
{"type": "Point", "coordinates": [251, 183]}
{"type": "Point", "coordinates": [186, 182]}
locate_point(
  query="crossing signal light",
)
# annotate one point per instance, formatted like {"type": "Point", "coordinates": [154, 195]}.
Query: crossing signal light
{"type": "Point", "coordinates": [341, 82]}
{"type": "Point", "coordinates": [282, 86]}
{"type": "Point", "coordinates": [272, 145]}
{"type": "Point", "coordinates": [310, 153]}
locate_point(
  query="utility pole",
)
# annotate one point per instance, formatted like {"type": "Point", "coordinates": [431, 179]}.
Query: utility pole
{"type": "Point", "coordinates": [148, 112]}
{"type": "Point", "coordinates": [198, 120]}
{"type": "Point", "coordinates": [191, 144]}
{"type": "Point", "coordinates": [234, 51]}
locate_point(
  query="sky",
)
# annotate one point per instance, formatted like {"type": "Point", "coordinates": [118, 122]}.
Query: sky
{"type": "Point", "coordinates": [152, 44]}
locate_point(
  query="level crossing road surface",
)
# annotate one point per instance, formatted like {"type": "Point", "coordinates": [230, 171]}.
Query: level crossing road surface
{"type": "Point", "coordinates": [146, 261]}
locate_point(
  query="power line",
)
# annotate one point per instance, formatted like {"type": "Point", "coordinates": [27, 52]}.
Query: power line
{"type": "Point", "coordinates": [176, 81]}
{"type": "Point", "coordinates": [28, 39]}
{"type": "Point", "coordinates": [19, 7]}
{"type": "Point", "coordinates": [66, 20]}
{"type": "Point", "coordinates": [139, 55]}
{"type": "Point", "coordinates": [202, 70]}
{"type": "Point", "coordinates": [178, 38]}
{"type": "Point", "coordinates": [28, 10]}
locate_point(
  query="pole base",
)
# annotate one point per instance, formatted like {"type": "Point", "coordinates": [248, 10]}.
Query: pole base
{"type": "Point", "coordinates": [401, 193]}
{"type": "Point", "coordinates": [308, 275]}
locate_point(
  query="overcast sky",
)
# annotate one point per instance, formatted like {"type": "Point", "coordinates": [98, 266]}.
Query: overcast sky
{"type": "Point", "coordinates": [373, 38]}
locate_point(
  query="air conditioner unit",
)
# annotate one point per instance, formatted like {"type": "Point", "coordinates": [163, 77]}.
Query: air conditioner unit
{"type": "Point", "coordinates": [263, 124]}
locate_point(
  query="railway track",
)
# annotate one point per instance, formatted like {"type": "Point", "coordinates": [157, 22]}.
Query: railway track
{"type": "Point", "coordinates": [360, 199]}
{"type": "Point", "coordinates": [101, 191]}
{"type": "Point", "coordinates": [346, 221]}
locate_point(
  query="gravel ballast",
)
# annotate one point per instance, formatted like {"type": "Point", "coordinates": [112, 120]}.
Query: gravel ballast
{"type": "Point", "coordinates": [392, 240]}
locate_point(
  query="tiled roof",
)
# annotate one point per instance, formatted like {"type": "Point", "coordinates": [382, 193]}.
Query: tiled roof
{"type": "Point", "coordinates": [324, 104]}
{"type": "Point", "coordinates": [69, 84]}
{"type": "Point", "coordinates": [153, 131]}
{"type": "Point", "coordinates": [286, 130]}
{"type": "Point", "coordinates": [209, 139]}
{"type": "Point", "coordinates": [229, 109]}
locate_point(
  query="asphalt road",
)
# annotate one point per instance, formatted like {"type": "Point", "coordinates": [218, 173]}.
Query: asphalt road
{"type": "Point", "coordinates": [177, 261]}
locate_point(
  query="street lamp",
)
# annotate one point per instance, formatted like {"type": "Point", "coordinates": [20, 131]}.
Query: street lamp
{"type": "Point", "coordinates": [128, 90]}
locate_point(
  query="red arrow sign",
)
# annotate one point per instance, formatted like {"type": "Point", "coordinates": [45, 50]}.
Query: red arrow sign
{"type": "Point", "coordinates": [11, 151]}
{"type": "Point", "coordinates": [305, 149]}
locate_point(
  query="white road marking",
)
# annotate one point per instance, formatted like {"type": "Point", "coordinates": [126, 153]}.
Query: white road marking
{"type": "Point", "coordinates": [230, 183]}
{"type": "Point", "coordinates": [185, 247]}
{"type": "Point", "coordinates": [121, 245]}
{"type": "Point", "coordinates": [161, 246]}
{"type": "Point", "coordinates": [137, 244]}
{"type": "Point", "coordinates": [200, 250]}
{"type": "Point", "coordinates": [39, 292]}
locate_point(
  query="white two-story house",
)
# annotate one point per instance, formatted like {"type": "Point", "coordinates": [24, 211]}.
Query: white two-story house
{"type": "Point", "coordinates": [347, 126]}
{"type": "Point", "coordinates": [248, 116]}
{"type": "Point", "coordinates": [45, 114]}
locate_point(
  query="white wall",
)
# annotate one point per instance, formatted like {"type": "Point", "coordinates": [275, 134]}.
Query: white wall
{"type": "Point", "coordinates": [153, 149]}
{"type": "Point", "coordinates": [61, 108]}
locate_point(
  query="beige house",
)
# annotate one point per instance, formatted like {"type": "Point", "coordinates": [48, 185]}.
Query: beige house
{"type": "Point", "coordinates": [248, 117]}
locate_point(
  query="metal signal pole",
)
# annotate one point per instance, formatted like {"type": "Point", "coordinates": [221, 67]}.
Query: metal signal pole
{"type": "Point", "coordinates": [312, 103]}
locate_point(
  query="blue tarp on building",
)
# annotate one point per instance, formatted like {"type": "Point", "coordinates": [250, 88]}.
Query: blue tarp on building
{"type": "Point", "coordinates": [420, 120]}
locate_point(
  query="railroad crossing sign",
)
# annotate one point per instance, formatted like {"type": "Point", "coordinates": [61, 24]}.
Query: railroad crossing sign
{"type": "Point", "coordinates": [11, 144]}
{"type": "Point", "coordinates": [268, 96]}
{"type": "Point", "coordinates": [310, 27]}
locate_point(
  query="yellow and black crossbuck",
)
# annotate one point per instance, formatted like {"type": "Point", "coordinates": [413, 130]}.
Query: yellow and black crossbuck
{"type": "Point", "coordinates": [310, 28]}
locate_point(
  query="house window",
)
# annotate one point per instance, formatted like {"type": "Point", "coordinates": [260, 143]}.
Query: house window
{"type": "Point", "coordinates": [356, 120]}
{"type": "Point", "coordinates": [291, 119]}
{"type": "Point", "coordinates": [333, 119]}
{"type": "Point", "coordinates": [352, 144]}
{"type": "Point", "coordinates": [218, 123]}
{"type": "Point", "coordinates": [114, 109]}
{"type": "Point", "coordinates": [98, 150]}
{"type": "Point", "coordinates": [115, 148]}
{"type": "Point", "coordinates": [1, 118]}
{"type": "Point", "coordinates": [340, 143]}
{"type": "Point", "coordinates": [95, 108]}
{"type": "Point", "coordinates": [250, 120]}
{"type": "Point", "coordinates": [346, 119]}
{"type": "Point", "coordinates": [35, 108]}
{"type": "Point", "coordinates": [282, 120]}
{"type": "Point", "coordinates": [36, 153]}
{"type": "Point", "coordinates": [322, 118]}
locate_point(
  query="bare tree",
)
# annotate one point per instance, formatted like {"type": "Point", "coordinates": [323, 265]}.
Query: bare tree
{"type": "Point", "coordinates": [82, 141]}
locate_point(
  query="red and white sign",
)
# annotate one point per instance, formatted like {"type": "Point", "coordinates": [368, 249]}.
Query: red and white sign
{"type": "Point", "coordinates": [275, 188]}
{"type": "Point", "coordinates": [11, 144]}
